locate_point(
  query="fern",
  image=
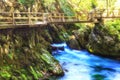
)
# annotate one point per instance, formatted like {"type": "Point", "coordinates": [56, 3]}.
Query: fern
{"type": "Point", "coordinates": [33, 72]}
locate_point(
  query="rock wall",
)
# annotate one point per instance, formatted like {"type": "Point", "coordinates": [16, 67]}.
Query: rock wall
{"type": "Point", "coordinates": [103, 40]}
{"type": "Point", "coordinates": [25, 52]}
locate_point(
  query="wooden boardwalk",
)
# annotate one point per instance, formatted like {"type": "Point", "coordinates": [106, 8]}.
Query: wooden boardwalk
{"type": "Point", "coordinates": [37, 18]}
{"type": "Point", "coordinates": [32, 18]}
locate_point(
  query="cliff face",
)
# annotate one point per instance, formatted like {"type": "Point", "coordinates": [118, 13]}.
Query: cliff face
{"type": "Point", "coordinates": [25, 52]}
{"type": "Point", "coordinates": [102, 39]}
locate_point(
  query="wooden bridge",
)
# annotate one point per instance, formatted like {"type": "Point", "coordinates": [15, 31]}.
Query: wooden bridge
{"type": "Point", "coordinates": [38, 18]}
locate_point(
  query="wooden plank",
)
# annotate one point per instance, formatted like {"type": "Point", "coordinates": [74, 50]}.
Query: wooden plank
{"type": "Point", "coordinates": [2, 18]}
{"type": "Point", "coordinates": [13, 18]}
{"type": "Point", "coordinates": [108, 17]}
{"type": "Point", "coordinates": [6, 22]}
{"type": "Point", "coordinates": [21, 18]}
{"type": "Point", "coordinates": [27, 18]}
{"type": "Point", "coordinates": [66, 22]}
{"type": "Point", "coordinates": [21, 22]}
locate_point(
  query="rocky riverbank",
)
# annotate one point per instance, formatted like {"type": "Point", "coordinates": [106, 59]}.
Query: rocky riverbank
{"type": "Point", "coordinates": [25, 52]}
{"type": "Point", "coordinates": [102, 39]}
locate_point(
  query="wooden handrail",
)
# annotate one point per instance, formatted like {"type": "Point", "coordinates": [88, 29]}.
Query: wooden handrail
{"type": "Point", "coordinates": [30, 18]}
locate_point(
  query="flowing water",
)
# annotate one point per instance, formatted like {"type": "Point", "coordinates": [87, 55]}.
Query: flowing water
{"type": "Point", "coordinates": [81, 65]}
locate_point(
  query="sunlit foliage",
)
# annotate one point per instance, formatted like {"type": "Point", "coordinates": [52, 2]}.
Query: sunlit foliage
{"type": "Point", "coordinates": [26, 3]}
{"type": "Point", "coordinates": [113, 27]}
{"type": "Point", "coordinates": [82, 4]}
{"type": "Point", "coordinates": [66, 7]}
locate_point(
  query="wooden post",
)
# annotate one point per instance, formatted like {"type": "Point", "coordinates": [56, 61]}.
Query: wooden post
{"type": "Point", "coordinates": [44, 18]}
{"type": "Point", "coordinates": [63, 17]}
{"type": "Point", "coordinates": [77, 18]}
{"type": "Point", "coordinates": [29, 18]}
{"type": "Point", "coordinates": [107, 2]}
{"type": "Point", "coordinates": [51, 16]}
{"type": "Point", "coordinates": [60, 17]}
{"type": "Point", "coordinates": [47, 18]}
{"type": "Point", "coordinates": [13, 18]}
{"type": "Point", "coordinates": [29, 21]}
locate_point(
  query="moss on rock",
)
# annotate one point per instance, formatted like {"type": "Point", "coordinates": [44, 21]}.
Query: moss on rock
{"type": "Point", "coordinates": [24, 54]}
{"type": "Point", "coordinates": [104, 40]}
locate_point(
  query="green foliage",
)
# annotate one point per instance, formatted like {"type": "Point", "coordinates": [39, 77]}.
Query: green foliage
{"type": "Point", "coordinates": [24, 76]}
{"type": "Point", "coordinates": [47, 57]}
{"type": "Point", "coordinates": [35, 73]}
{"type": "Point", "coordinates": [5, 72]}
{"type": "Point", "coordinates": [26, 3]}
{"type": "Point", "coordinates": [113, 28]}
{"type": "Point", "coordinates": [10, 55]}
{"type": "Point", "coordinates": [83, 5]}
{"type": "Point", "coordinates": [48, 2]}
{"type": "Point", "coordinates": [93, 3]}
{"type": "Point", "coordinates": [113, 25]}
{"type": "Point", "coordinates": [66, 8]}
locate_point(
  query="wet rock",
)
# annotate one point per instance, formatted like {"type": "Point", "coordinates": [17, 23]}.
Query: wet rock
{"type": "Point", "coordinates": [65, 70]}
{"type": "Point", "coordinates": [82, 36]}
{"type": "Point", "coordinates": [73, 43]}
{"type": "Point", "coordinates": [56, 34]}
{"type": "Point", "coordinates": [54, 48]}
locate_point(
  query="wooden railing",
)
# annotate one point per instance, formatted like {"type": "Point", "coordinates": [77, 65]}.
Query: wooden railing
{"type": "Point", "coordinates": [23, 18]}
{"type": "Point", "coordinates": [110, 13]}
{"type": "Point", "coordinates": [34, 18]}
{"type": "Point", "coordinates": [37, 18]}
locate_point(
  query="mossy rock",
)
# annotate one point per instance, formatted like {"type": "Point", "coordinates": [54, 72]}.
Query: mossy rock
{"type": "Point", "coordinates": [104, 42]}
{"type": "Point", "coordinates": [24, 51]}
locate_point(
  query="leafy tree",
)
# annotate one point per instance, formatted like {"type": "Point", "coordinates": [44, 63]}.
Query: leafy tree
{"type": "Point", "coordinates": [26, 3]}
{"type": "Point", "coordinates": [93, 4]}
{"type": "Point", "coordinates": [67, 9]}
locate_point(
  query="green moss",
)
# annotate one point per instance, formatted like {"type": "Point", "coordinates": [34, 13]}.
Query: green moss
{"type": "Point", "coordinates": [5, 74]}
{"type": "Point", "coordinates": [24, 55]}
{"type": "Point", "coordinates": [113, 28]}
{"type": "Point", "coordinates": [90, 49]}
{"type": "Point", "coordinates": [52, 64]}
{"type": "Point", "coordinates": [35, 73]}
{"type": "Point", "coordinates": [47, 58]}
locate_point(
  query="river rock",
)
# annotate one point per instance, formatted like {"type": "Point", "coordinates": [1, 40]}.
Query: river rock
{"type": "Point", "coordinates": [104, 42]}
{"type": "Point", "coordinates": [73, 43]}
{"type": "Point", "coordinates": [82, 36]}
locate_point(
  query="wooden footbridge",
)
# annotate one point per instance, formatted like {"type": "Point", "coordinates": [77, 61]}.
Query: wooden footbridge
{"type": "Point", "coordinates": [38, 18]}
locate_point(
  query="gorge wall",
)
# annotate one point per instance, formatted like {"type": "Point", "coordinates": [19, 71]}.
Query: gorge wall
{"type": "Point", "coordinates": [103, 39]}
{"type": "Point", "coordinates": [25, 53]}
